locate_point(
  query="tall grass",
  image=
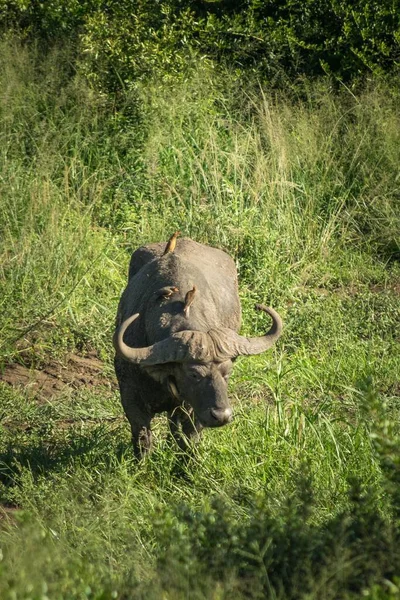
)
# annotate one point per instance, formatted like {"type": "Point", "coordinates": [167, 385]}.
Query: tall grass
{"type": "Point", "coordinates": [51, 254]}
{"type": "Point", "coordinates": [303, 193]}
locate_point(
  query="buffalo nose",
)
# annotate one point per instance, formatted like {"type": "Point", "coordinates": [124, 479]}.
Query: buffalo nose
{"type": "Point", "coordinates": [222, 415]}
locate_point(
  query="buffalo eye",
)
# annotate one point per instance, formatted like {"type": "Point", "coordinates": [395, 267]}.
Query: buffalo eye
{"type": "Point", "coordinates": [195, 376]}
{"type": "Point", "coordinates": [225, 371]}
{"type": "Point", "coordinates": [197, 373]}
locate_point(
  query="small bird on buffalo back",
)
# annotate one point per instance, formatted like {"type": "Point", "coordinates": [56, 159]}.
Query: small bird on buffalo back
{"type": "Point", "coordinates": [166, 292]}
{"type": "Point", "coordinates": [189, 300]}
{"type": "Point", "coordinates": [170, 247]}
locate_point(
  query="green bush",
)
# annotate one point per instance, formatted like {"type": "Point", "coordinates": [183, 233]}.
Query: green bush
{"type": "Point", "coordinates": [291, 555]}
{"type": "Point", "coordinates": [121, 42]}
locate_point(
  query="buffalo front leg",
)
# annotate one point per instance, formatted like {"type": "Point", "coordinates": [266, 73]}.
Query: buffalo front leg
{"type": "Point", "coordinates": [184, 427]}
{"type": "Point", "coordinates": [138, 413]}
{"type": "Point", "coordinates": [139, 421]}
{"type": "Point", "coordinates": [142, 438]}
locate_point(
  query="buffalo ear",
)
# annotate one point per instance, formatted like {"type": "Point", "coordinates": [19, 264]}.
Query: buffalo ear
{"type": "Point", "coordinates": [163, 374]}
{"type": "Point", "coordinates": [159, 373]}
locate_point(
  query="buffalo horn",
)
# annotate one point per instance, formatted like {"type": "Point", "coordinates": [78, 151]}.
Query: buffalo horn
{"type": "Point", "coordinates": [198, 346]}
{"type": "Point", "coordinates": [183, 346]}
{"type": "Point", "coordinates": [257, 345]}
{"type": "Point", "coordinates": [227, 343]}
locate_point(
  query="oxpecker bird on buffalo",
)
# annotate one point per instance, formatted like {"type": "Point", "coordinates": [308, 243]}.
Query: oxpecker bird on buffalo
{"type": "Point", "coordinates": [171, 360]}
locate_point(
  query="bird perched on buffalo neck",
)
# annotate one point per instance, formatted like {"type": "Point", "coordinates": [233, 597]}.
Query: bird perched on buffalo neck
{"type": "Point", "coordinates": [170, 247]}
{"type": "Point", "coordinates": [189, 300]}
{"type": "Point", "coordinates": [166, 292]}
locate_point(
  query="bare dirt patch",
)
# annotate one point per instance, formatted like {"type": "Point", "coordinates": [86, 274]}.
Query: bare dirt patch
{"type": "Point", "coordinates": [393, 287]}
{"type": "Point", "coordinates": [76, 372]}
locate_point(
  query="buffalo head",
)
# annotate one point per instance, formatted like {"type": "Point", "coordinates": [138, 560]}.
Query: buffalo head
{"type": "Point", "coordinates": [196, 365]}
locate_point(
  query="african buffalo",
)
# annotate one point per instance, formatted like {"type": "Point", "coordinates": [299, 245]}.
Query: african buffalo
{"type": "Point", "coordinates": [170, 358]}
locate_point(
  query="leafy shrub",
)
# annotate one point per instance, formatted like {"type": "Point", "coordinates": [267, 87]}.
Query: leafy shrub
{"type": "Point", "coordinates": [124, 41]}
{"type": "Point", "coordinates": [290, 554]}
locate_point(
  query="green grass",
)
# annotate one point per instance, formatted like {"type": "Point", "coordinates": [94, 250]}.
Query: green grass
{"type": "Point", "coordinates": [304, 194]}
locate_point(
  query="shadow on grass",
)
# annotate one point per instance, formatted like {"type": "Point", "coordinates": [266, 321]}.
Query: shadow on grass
{"type": "Point", "coordinates": [94, 445]}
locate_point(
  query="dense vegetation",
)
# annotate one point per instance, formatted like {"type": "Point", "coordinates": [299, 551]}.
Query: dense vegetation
{"type": "Point", "coordinates": [115, 135]}
{"type": "Point", "coordinates": [122, 42]}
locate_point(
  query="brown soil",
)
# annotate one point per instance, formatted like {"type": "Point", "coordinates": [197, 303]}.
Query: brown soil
{"type": "Point", "coordinates": [54, 378]}
{"type": "Point", "coordinates": [393, 287]}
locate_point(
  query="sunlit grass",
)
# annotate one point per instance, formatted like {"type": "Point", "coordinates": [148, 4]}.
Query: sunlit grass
{"type": "Point", "coordinates": [303, 194]}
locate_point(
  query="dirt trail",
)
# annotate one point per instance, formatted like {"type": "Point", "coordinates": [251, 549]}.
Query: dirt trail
{"type": "Point", "coordinates": [54, 378]}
